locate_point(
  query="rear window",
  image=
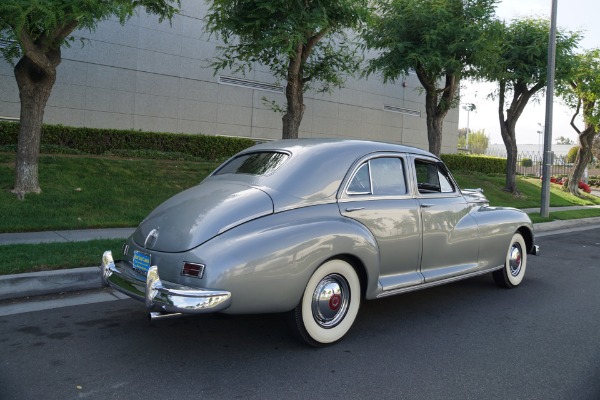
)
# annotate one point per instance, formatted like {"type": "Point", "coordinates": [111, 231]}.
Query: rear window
{"type": "Point", "coordinates": [264, 163]}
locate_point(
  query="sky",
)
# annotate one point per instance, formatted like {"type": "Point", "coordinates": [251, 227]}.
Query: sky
{"type": "Point", "coordinates": [571, 15]}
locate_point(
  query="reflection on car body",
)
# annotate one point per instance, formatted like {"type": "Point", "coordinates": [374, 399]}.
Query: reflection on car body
{"type": "Point", "coordinates": [313, 227]}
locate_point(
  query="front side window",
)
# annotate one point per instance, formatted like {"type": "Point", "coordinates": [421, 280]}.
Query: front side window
{"type": "Point", "coordinates": [380, 177]}
{"type": "Point", "coordinates": [432, 178]}
{"type": "Point", "coordinates": [264, 163]}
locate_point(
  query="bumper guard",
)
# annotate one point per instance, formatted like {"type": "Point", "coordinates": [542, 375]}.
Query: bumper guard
{"type": "Point", "coordinates": [165, 297]}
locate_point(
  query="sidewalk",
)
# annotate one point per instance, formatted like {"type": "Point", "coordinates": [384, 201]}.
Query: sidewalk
{"type": "Point", "coordinates": [79, 235]}
{"type": "Point", "coordinates": [70, 280]}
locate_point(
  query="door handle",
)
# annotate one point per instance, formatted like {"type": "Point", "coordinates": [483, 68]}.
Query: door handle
{"type": "Point", "coordinates": [426, 205]}
{"type": "Point", "coordinates": [351, 209]}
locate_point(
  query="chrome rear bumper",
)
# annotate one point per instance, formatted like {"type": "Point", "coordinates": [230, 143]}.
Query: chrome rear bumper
{"type": "Point", "coordinates": [165, 297]}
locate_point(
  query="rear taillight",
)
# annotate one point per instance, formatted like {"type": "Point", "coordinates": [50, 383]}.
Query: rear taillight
{"type": "Point", "coordinates": [192, 269]}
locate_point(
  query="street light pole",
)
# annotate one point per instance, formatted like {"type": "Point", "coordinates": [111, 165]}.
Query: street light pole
{"type": "Point", "coordinates": [468, 108]}
{"type": "Point", "coordinates": [547, 160]}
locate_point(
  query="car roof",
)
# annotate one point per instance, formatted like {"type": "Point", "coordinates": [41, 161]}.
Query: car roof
{"type": "Point", "coordinates": [315, 168]}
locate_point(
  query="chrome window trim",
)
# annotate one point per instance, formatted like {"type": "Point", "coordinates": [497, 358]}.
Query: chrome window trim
{"type": "Point", "coordinates": [370, 192]}
{"type": "Point", "coordinates": [344, 195]}
{"type": "Point", "coordinates": [455, 193]}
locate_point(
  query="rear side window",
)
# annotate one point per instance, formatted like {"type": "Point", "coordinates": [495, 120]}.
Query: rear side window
{"type": "Point", "coordinates": [380, 177]}
{"type": "Point", "coordinates": [263, 163]}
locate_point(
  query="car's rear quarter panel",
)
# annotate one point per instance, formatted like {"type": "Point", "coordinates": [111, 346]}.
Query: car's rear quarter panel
{"type": "Point", "coordinates": [267, 262]}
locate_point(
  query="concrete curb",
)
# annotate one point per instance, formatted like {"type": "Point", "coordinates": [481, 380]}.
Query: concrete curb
{"type": "Point", "coordinates": [566, 224]}
{"type": "Point", "coordinates": [49, 282]}
{"type": "Point", "coordinates": [71, 280]}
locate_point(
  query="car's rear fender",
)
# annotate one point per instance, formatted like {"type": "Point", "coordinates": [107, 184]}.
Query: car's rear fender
{"type": "Point", "coordinates": [266, 263]}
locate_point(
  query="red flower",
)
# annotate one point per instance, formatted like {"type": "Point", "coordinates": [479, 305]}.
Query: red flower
{"type": "Point", "coordinates": [585, 187]}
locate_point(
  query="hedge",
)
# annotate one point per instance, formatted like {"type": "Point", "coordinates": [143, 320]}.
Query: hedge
{"type": "Point", "coordinates": [483, 164]}
{"type": "Point", "coordinates": [101, 141]}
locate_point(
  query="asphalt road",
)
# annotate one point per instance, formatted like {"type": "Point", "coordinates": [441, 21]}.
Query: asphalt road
{"type": "Point", "coordinates": [468, 340]}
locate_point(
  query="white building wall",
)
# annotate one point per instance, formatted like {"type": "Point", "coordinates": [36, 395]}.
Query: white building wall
{"type": "Point", "coordinates": [153, 76]}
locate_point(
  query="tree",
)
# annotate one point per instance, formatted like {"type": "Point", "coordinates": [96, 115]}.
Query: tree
{"type": "Point", "coordinates": [582, 93]}
{"type": "Point", "coordinates": [520, 68]}
{"type": "Point", "coordinates": [304, 43]}
{"type": "Point", "coordinates": [35, 31]}
{"type": "Point", "coordinates": [441, 40]}
{"type": "Point", "coordinates": [564, 140]}
{"type": "Point", "coordinates": [478, 142]}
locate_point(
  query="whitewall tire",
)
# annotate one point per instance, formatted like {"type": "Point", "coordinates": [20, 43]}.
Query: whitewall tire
{"type": "Point", "coordinates": [513, 272]}
{"type": "Point", "coordinates": [329, 304]}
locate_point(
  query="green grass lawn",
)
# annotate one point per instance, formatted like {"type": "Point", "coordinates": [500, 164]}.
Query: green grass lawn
{"type": "Point", "coordinates": [19, 258]}
{"type": "Point", "coordinates": [529, 188]}
{"type": "Point", "coordinates": [80, 192]}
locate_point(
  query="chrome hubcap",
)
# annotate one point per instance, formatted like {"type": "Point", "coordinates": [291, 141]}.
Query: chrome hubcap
{"type": "Point", "coordinates": [515, 259]}
{"type": "Point", "coordinates": [330, 300]}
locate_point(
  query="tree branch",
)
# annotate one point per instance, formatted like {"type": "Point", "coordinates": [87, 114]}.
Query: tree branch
{"type": "Point", "coordinates": [31, 51]}
{"type": "Point", "coordinates": [312, 42]}
{"type": "Point", "coordinates": [66, 30]}
{"type": "Point", "coordinates": [575, 116]}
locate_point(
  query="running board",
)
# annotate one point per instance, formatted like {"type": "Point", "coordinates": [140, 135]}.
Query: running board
{"type": "Point", "coordinates": [436, 283]}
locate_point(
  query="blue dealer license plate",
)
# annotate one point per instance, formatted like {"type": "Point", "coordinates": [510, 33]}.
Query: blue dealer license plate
{"type": "Point", "coordinates": [141, 261]}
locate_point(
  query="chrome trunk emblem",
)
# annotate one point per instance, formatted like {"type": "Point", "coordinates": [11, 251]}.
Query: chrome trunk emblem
{"type": "Point", "coordinates": [153, 235]}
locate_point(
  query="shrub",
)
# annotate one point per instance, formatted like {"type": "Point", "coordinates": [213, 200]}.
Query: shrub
{"type": "Point", "coordinates": [526, 162]}
{"type": "Point", "coordinates": [483, 164]}
{"type": "Point", "coordinates": [572, 154]}
{"type": "Point", "coordinates": [101, 141]}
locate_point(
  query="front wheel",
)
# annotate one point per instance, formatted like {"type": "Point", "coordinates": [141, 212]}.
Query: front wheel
{"type": "Point", "coordinates": [515, 264]}
{"type": "Point", "coordinates": [329, 304]}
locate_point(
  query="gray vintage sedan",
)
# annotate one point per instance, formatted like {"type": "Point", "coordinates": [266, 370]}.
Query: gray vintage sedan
{"type": "Point", "coordinates": [312, 228]}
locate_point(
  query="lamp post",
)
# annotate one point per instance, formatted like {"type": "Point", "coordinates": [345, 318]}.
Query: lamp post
{"type": "Point", "coordinates": [545, 203]}
{"type": "Point", "coordinates": [468, 107]}
{"type": "Point", "coordinates": [540, 132]}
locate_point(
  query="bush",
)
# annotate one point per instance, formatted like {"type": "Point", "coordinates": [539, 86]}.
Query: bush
{"type": "Point", "coordinates": [102, 141]}
{"type": "Point", "coordinates": [483, 164]}
{"type": "Point", "coordinates": [572, 154]}
{"type": "Point", "coordinates": [526, 162]}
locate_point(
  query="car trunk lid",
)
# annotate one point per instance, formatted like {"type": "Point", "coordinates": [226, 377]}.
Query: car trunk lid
{"type": "Point", "coordinates": [196, 215]}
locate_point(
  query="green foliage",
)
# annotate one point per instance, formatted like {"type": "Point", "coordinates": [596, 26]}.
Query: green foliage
{"type": "Point", "coordinates": [520, 59]}
{"type": "Point", "coordinates": [132, 143]}
{"type": "Point", "coordinates": [583, 87]}
{"type": "Point", "coordinates": [483, 164]}
{"type": "Point", "coordinates": [572, 154]}
{"type": "Point", "coordinates": [47, 24]}
{"type": "Point", "coordinates": [478, 141]}
{"type": "Point", "coordinates": [526, 162]}
{"type": "Point", "coordinates": [438, 37]}
{"type": "Point", "coordinates": [276, 32]}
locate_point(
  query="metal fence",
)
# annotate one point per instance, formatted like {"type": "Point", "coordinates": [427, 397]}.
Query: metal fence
{"type": "Point", "coordinates": [530, 163]}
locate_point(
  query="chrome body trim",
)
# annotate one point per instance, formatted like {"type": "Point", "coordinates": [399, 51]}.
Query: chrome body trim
{"type": "Point", "coordinates": [437, 283]}
{"type": "Point", "coordinates": [158, 295]}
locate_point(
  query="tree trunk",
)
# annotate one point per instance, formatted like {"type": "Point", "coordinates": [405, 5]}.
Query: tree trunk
{"type": "Point", "coordinates": [295, 107]}
{"type": "Point", "coordinates": [434, 125]}
{"type": "Point", "coordinates": [437, 104]}
{"type": "Point", "coordinates": [507, 130]}
{"type": "Point", "coordinates": [35, 85]}
{"type": "Point", "coordinates": [584, 156]}
{"type": "Point", "coordinates": [521, 96]}
{"type": "Point", "coordinates": [511, 164]}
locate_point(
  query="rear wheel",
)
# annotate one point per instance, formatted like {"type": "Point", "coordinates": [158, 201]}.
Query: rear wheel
{"type": "Point", "coordinates": [329, 304]}
{"type": "Point", "coordinates": [515, 264]}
